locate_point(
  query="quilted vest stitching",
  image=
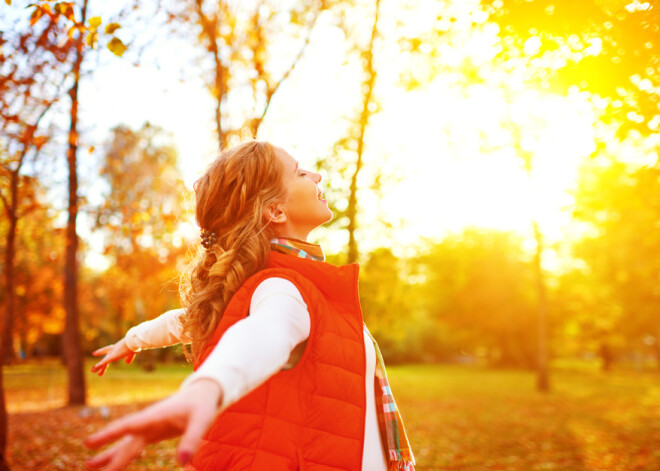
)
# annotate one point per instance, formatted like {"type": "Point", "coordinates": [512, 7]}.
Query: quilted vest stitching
{"type": "Point", "coordinates": [312, 415]}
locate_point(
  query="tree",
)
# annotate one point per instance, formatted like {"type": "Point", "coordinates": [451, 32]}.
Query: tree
{"type": "Point", "coordinates": [481, 284]}
{"type": "Point", "coordinates": [618, 202]}
{"type": "Point", "coordinates": [30, 83]}
{"type": "Point", "coordinates": [347, 159]}
{"type": "Point", "coordinates": [609, 47]}
{"type": "Point", "coordinates": [71, 337]}
{"type": "Point", "coordinates": [590, 316]}
{"type": "Point", "coordinates": [394, 308]}
{"type": "Point", "coordinates": [368, 107]}
{"type": "Point", "coordinates": [240, 41]}
{"type": "Point", "coordinates": [453, 27]}
{"type": "Point", "coordinates": [527, 156]}
{"type": "Point", "coordinates": [38, 268]}
{"type": "Point", "coordinates": [71, 43]}
{"type": "Point", "coordinates": [139, 217]}
{"type": "Point", "coordinates": [145, 198]}
{"type": "Point", "coordinates": [81, 34]}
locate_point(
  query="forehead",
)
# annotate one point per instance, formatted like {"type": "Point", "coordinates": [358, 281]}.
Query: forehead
{"type": "Point", "coordinates": [286, 159]}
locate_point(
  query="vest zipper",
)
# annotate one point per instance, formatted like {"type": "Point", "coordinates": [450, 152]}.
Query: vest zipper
{"type": "Point", "coordinates": [300, 460]}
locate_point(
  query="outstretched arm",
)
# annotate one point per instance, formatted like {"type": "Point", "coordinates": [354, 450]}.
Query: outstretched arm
{"type": "Point", "coordinates": [255, 348]}
{"type": "Point", "coordinates": [163, 331]}
{"type": "Point", "coordinates": [278, 321]}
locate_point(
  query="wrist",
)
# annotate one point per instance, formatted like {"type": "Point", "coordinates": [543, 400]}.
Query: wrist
{"type": "Point", "coordinates": [130, 341]}
{"type": "Point", "coordinates": [206, 388]}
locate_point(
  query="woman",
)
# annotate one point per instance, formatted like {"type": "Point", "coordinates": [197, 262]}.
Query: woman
{"type": "Point", "coordinates": [286, 375]}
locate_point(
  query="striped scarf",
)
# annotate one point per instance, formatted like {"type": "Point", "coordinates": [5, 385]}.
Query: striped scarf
{"type": "Point", "coordinates": [298, 248]}
{"type": "Point", "coordinates": [392, 432]}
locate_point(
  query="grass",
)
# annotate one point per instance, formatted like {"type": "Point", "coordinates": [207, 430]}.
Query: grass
{"type": "Point", "coordinates": [36, 387]}
{"type": "Point", "coordinates": [457, 417]}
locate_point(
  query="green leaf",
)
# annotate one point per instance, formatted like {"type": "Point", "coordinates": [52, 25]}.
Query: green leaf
{"type": "Point", "coordinates": [116, 46]}
{"type": "Point", "coordinates": [95, 22]}
{"type": "Point", "coordinates": [110, 28]}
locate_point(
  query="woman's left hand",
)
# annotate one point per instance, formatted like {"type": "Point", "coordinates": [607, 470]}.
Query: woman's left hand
{"type": "Point", "coordinates": [188, 412]}
{"type": "Point", "coordinates": [113, 352]}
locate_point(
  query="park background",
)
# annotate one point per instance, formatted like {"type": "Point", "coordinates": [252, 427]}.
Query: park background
{"type": "Point", "coordinates": [492, 165]}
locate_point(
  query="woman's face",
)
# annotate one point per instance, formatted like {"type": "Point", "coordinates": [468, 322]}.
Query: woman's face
{"type": "Point", "coordinates": [304, 208]}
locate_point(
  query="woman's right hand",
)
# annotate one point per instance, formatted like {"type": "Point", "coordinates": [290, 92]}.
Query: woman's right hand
{"type": "Point", "coordinates": [188, 413]}
{"type": "Point", "coordinates": [113, 352]}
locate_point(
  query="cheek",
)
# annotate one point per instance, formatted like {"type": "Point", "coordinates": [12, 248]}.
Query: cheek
{"type": "Point", "coordinates": [303, 199]}
{"type": "Point", "coordinates": [296, 200]}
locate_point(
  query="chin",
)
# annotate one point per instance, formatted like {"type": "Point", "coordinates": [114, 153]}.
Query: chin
{"type": "Point", "coordinates": [329, 217]}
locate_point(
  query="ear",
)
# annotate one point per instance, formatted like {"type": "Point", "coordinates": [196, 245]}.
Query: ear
{"type": "Point", "coordinates": [276, 214]}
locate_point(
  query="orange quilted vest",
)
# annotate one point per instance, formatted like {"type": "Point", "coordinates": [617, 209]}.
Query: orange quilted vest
{"type": "Point", "coordinates": [310, 417]}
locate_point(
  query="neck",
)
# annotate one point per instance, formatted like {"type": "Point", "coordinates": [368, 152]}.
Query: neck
{"type": "Point", "coordinates": [292, 237]}
{"type": "Point", "coordinates": [286, 231]}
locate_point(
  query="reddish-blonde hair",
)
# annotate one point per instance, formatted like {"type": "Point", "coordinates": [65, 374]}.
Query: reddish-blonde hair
{"type": "Point", "coordinates": [231, 201]}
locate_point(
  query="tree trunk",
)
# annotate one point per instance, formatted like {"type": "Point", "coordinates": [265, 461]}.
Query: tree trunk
{"type": "Point", "coordinates": [656, 349]}
{"type": "Point", "coordinates": [71, 337]}
{"type": "Point", "coordinates": [351, 210]}
{"type": "Point", "coordinates": [7, 324]}
{"type": "Point", "coordinates": [543, 380]}
{"type": "Point", "coordinates": [605, 352]}
{"type": "Point", "coordinates": [4, 466]}
{"type": "Point", "coordinates": [209, 28]}
{"type": "Point", "coordinates": [23, 344]}
{"type": "Point", "coordinates": [543, 377]}
{"type": "Point", "coordinates": [11, 210]}
{"type": "Point", "coordinates": [10, 254]}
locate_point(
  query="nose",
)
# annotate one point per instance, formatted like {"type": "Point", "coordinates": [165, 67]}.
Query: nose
{"type": "Point", "coordinates": [316, 177]}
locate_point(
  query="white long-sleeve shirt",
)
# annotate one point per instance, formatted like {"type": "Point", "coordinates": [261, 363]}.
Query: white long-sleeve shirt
{"type": "Point", "coordinates": [278, 322]}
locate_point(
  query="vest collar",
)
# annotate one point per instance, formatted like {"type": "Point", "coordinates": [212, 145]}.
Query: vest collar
{"type": "Point", "coordinates": [338, 283]}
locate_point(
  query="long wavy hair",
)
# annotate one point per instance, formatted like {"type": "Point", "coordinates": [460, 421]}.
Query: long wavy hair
{"type": "Point", "coordinates": [231, 201]}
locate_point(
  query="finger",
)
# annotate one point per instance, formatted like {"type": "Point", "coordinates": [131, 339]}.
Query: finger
{"type": "Point", "coordinates": [136, 422]}
{"type": "Point", "coordinates": [105, 360]}
{"type": "Point", "coordinates": [102, 372]}
{"type": "Point", "coordinates": [131, 447]}
{"type": "Point", "coordinates": [101, 365]}
{"type": "Point", "coordinates": [130, 357]}
{"type": "Point", "coordinates": [199, 423]}
{"type": "Point", "coordinates": [102, 350]}
{"type": "Point", "coordinates": [114, 430]}
{"type": "Point", "coordinates": [119, 455]}
{"type": "Point", "coordinates": [101, 459]}
{"type": "Point", "coordinates": [97, 367]}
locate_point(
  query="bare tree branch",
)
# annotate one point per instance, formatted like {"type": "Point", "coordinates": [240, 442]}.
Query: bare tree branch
{"type": "Point", "coordinates": [270, 92]}
{"type": "Point", "coordinates": [209, 28]}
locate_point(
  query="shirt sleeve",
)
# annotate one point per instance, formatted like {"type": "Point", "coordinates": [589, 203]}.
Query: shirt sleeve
{"type": "Point", "coordinates": [257, 347]}
{"type": "Point", "coordinates": [163, 331]}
